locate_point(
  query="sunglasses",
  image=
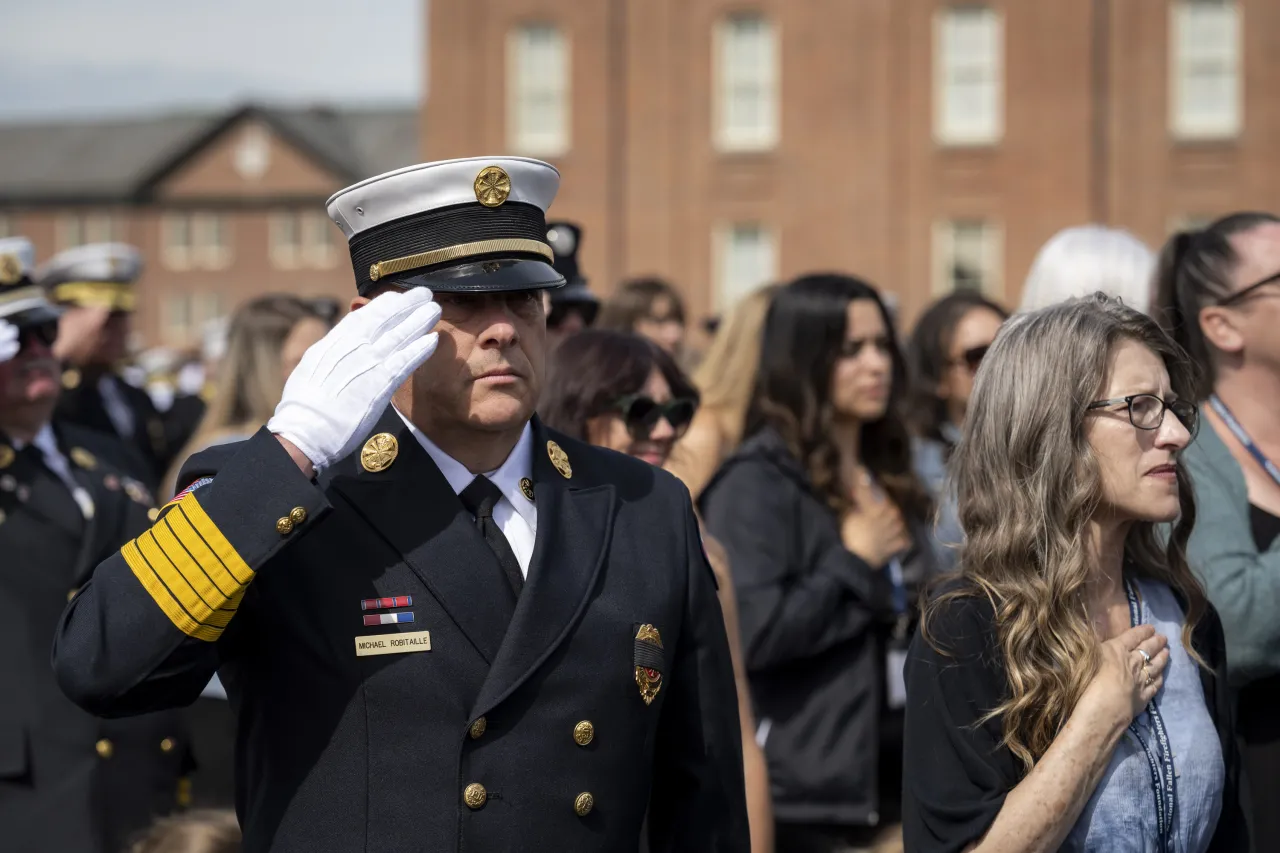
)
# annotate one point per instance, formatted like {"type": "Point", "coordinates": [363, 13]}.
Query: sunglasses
{"type": "Point", "coordinates": [46, 333]}
{"type": "Point", "coordinates": [641, 414]}
{"type": "Point", "coordinates": [972, 357]}
{"type": "Point", "coordinates": [1241, 294]}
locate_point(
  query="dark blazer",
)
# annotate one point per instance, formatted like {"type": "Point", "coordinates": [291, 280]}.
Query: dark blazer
{"type": "Point", "coordinates": [958, 773]}
{"type": "Point", "coordinates": [815, 619]}
{"type": "Point", "coordinates": [149, 452]}
{"type": "Point", "coordinates": [69, 781]}
{"type": "Point", "coordinates": [509, 725]}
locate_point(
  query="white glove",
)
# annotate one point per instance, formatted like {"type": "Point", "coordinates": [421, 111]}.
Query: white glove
{"type": "Point", "coordinates": [9, 342]}
{"type": "Point", "coordinates": [343, 383]}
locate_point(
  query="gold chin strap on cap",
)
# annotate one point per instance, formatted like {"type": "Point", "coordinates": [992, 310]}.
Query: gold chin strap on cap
{"type": "Point", "coordinates": [459, 252]}
{"type": "Point", "coordinates": [114, 295]}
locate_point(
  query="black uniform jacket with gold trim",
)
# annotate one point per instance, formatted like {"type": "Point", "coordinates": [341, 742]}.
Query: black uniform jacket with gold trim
{"type": "Point", "coordinates": [148, 453]}
{"type": "Point", "coordinates": [69, 781]}
{"type": "Point", "coordinates": [467, 746]}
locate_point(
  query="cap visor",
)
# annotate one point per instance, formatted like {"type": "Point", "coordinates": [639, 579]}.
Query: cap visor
{"type": "Point", "coordinates": [32, 316]}
{"type": "Point", "coordinates": [496, 276]}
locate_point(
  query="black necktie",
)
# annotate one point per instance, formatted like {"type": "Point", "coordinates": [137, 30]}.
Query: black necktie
{"type": "Point", "coordinates": [480, 498]}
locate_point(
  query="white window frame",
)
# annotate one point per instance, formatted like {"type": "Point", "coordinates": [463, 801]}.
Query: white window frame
{"type": "Point", "coordinates": [992, 272]}
{"type": "Point", "coordinates": [7, 225]}
{"type": "Point", "coordinates": [179, 329]}
{"type": "Point", "coordinates": [946, 129]}
{"type": "Point", "coordinates": [727, 292]}
{"type": "Point", "coordinates": [1184, 124]}
{"type": "Point", "coordinates": [526, 90]}
{"type": "Point", "coordinates": [100, 227]}
{"type": "Point", "coordinates": [729, 136]}
{"type": "Point", "coordinates": [68, 231]}
{"type": "Point", "coordinates": [175, 254]}
{"type": "Point", "coordinates": [316, 237]}
{"type": "Point", "coordinates": [211, 240]}
{"type": "Point", "coordinates": [283, 240]}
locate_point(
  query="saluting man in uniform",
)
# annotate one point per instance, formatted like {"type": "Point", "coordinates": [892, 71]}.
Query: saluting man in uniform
{"type": "Point", "coordinates": [68, 781]}
{"type": "Point", "coordinates": [93, 284]}
{"type": "Point", "coordinates": [443, 627]}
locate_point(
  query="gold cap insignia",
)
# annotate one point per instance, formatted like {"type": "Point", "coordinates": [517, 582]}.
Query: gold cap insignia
{"type": "Point", "coordinates": [83, 458]}
{"type": "Point", "coordinates": [71, 379]}
{"type": "Point", "coordinates": [6, 456]}
{"type": "Point", "coordinates": [559, 459]}
{"type": "Point", "coordinates": [492, 186]}
{"type": "Point", "coordinates": [526, 486]}
{"type": "Point", "coordinates": [379, 452]}
{"type": "Point", "coordinates": [648, 662]}
{"type": "Point", "coordinates": [10, 269]}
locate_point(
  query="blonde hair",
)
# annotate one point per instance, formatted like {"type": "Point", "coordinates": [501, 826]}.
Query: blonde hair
{"type": "Point", "coordinates": [727, 374]}
{"type": "Point", "coordinates": [250, 376]}
{"type": "Point", "coordinates": [1028, 484]}
{"type": "Point", "coordinates": [1088, 259]}
{"type": "Point", "coordinates": [203, 831]}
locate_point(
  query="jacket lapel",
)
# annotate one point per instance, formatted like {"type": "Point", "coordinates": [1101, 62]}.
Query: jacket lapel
{"type": "Point", "coordinates": [413, 507]}
{"type": "Point", "coordinates": [574, 526]}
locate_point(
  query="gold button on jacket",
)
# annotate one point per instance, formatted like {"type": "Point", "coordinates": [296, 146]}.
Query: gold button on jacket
{"type": "Point", "coordinates": [167, 745]}
{"type": "Point", "coordinates": [297, 515]}
{"type": "Point", "coordinates": [105, 748]}
{"type": "Point", "coordinates": [583, 733]}
{"type": "Point", "coordinates": [474, 795]}
{"type": "Point", "coordinates": [583, 805]}
{"type": "Point", "coordinates": [284, 525]}
{"type": "Point", "coordinates": [478, 728]}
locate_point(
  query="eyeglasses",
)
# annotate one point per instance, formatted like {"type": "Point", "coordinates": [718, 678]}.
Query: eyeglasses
{"type": "Point", "coordinates": [1241, 294]}
{"type": "Point", "coordinates": [46, 333]}
{"type": "Point", "coordinates": [641, 414]}
{"type": "Point", "coordinates": [1146, 411]}
{"type": "Point", "coordinates": [972, 357]}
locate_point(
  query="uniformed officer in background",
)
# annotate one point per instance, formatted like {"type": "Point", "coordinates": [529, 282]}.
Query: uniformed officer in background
{"type": "Point", "coordinates": [94, 286]}
{"type": "Point", "coordinates": [573, 307]}
{"type": "Point", "coordinates": [68, 781]}
{"type": "Point", "coordinates": [442, 626]}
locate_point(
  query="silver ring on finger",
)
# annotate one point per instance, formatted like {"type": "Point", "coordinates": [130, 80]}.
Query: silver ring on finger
{"type": "Point", "coordinates": [1145, 657]}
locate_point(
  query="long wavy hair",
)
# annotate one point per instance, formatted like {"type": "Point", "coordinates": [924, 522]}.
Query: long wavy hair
{"type": "Point", "coordinates": [1028, 484]}
{"type": "Point", "coordinates": [804, 332]}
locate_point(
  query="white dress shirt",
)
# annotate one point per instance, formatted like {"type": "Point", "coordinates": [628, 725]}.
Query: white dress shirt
{"type": "Point", "coordinates": [515, 515]}
{"type": "Point", "coordinates": [47, 443]}
{"type": "Point", "coordinates": [117, 407]}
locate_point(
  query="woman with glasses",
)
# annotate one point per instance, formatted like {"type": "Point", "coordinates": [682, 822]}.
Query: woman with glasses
{"type": "Point", "coordinates": [1219, 296]}
{"type": "Point", "coordinates": [624, 392]}
{"type": "Point", "coordinates": [944, 353]}
{"type": "Point", "coordinates": [1067, 689]}
{"type": "Point", "coordinates": [826, 527]}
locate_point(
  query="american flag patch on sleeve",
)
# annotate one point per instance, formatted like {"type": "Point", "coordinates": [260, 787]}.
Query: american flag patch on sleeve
{"type": "Point", "coordinates": [388, 619]}
{"type": "Point", "coordinates": [203, 481]}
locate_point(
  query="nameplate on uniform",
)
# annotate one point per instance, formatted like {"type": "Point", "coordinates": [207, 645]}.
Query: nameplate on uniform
{"type": "Point", "coordinates": [393, 644]}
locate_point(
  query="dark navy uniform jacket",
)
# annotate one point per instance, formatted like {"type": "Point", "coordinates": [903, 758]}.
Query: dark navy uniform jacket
{"type": "Point", "coordinates": [509, 724]}
{"type": "Point", "coordinates": [69, 781]}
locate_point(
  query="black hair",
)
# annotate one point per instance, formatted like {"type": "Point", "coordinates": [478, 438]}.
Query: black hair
{"type": "Point", "coordinates": [1194, 271]}
{"type": "Point", "coordinates": [591, 371]}
{"type": "Point", "coordinates": [634, 302]}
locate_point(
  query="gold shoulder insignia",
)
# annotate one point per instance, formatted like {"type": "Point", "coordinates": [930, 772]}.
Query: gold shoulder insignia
{"type": "Point", "coordinates": [83, 458]}
{"type": "Point", "coordinates": [379, 452]}
{"type": "Point", "coordinates": [559, 459]}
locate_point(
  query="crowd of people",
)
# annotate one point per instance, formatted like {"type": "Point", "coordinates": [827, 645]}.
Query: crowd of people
{"type": "Point", "coordinates": [1005, 580]}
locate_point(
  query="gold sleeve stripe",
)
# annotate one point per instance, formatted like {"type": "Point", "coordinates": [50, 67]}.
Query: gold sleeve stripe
{"type": "Point", "coordinates": [179, 584]}
{"type": "Point", "coordinates": [213, 539]}
{"type": "Point", "coordinates": [185, 564]}
{"type": "Point", "coordinates": [184, 536]}
{"type": "Point", "coordinates": [168, 604]}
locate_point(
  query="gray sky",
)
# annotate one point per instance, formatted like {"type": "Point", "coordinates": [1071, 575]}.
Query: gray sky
{"type": "Point", "coordinates": [111, 57]}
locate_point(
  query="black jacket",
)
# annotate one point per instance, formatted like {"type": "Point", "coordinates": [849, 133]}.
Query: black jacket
{"type": "Point", "coordinates": [468, 738]}
{"type": "Point", "coordinates": [149, 452]}
{"type": "Point", "coordinates": [814, 619]}
{"type": "Point", "coordinates": [69, 781]}
{"type": "Point", "coordinates": [958, 772]}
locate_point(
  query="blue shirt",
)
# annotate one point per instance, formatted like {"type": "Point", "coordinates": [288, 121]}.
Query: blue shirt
{"type": "Point", "coordinates": [1120, 817]}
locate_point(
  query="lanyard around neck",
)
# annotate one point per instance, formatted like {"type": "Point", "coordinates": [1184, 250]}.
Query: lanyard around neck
{"type": "Point", "coordinates": [1159, 751]}
{"type": "Point", "coordinates": [1243, 437]}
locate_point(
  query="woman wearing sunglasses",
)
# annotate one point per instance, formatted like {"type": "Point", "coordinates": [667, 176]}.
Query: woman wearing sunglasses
{"type": "Point", "coordinates": [1219, 295]}
{"type": "Point", "coordinates": [624, 392]}
{"type": "Point", "coordinates": [1067, 689]}
{"type": "Point", "coordinates": [826, 526]}
{"type": "Point", "coordinates": [944, 354]}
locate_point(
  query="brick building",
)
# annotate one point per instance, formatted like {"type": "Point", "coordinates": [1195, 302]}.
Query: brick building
{"type": "Point", "coordinates": [224, 206]}
{"type": "Point", "coordinates": [927, 145]}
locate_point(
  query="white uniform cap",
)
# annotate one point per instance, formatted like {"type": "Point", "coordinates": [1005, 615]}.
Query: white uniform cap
{"type": "Point", "coordinates": [99, 275]}
{"type": "Point", "coordinates": [22, 301]}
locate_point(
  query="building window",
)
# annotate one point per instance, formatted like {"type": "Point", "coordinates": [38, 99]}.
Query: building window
{"type": "Point", "coordinates": [75, 229]}
{"type": "Point", "coordinates": [968, 76]}
{"type": "Point", "coordinates": [195, 241]}
{"type": "Point", "coordinates": [538, 90]}
{"type": "Point", "coordinates": [1190, 222]}
{"type": "Point", "coordinates": [1204, 72]}
{"type": "Point", "coordinates": [746, 258]}
{"type": "Point", "coordinates": [968, 256]}
{"type": "Point", "coordinates": [301, 240]}
{"type": "Point", "coordinates": [6, 225]}
{"type": "Point", "coordinates": [187, 314]}
{"type": "Point", "coordinates": [746, 85]}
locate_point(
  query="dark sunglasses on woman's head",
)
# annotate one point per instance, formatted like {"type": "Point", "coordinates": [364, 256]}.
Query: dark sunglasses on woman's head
{"type": "Point", "coordinates": [972, 357]}
{"type": "Point", "coordinates": [641, 414]}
